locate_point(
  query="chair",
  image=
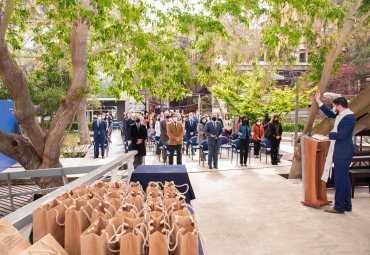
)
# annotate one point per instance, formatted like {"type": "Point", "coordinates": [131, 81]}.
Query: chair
{"type": "Point", "coordinates": [265, 148]}
{"type": "Point", "coordinates": [203, 151]}
{"type": "Point", "coordinates": [194, 146]}
{"type": "Point", "coordinates": [235, 149]}
{"type": "Point", "coordinates": [224, 144]}
{"type": "Point", "coordinates": [159, 146]}
{"type": "Point", "coordinates": [151, 139]}
{"type": "Point", "coordinates": [251, 147]}
{"type": "Point", "coordinates": [184, 143]}
{"type": "Point", "coordinates": [233, 136]}
{"type": "Point", "coordinates": [166, 149]}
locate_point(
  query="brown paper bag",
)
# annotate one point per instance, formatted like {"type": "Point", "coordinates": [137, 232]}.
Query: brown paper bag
{"type": "Point", "coordinates": [94, 239]}
{"type": "Point", "coordinates": [184, 235]}
{"type": "Point", "coordinates": [45, 246]}
{"type": "Point", "coordinates": [77, 219]}
{"type": "Point", "coordinates": [49, 219]}
{"type": "Point", "coordinates": [137, 202]}
{"type": "Point", "coordinates": [133, 240]}
{"type": "Point", "coordinates": [153, 187]}
{"type": "Point", "coordinates": [158, 230]}
{"type": "Point", "coordinates": [11, 241]}
{"type": "Point", "coordinates": [135, 189]}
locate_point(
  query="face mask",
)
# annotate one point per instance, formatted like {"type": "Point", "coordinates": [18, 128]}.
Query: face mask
{"type": "Point", "coordinates": [138, 121]}
{"type": "Point", "coordinates": [178, 118]}
{"type": "Point", "coordinates": [167, 117]}
{"type": "Point", "coordinates": [244, 122]}
{"type": "Point", "coordinates": [258, 122]}
{"type": "Point", "coordinates": [204, 121]}
{"type": "Point", "coordinates": [214, 118]}
{"type": "Point", "coordinates": [99, 118]}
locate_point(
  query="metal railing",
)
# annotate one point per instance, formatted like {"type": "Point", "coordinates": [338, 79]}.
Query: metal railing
{"type": "Point", "coordinates": [23, 216]}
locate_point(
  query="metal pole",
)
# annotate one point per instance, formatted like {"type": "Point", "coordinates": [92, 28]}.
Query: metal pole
{"type": "Point", "coordinates": [296, 109]}
{"type": "Point", "coordinates": [10, 193]}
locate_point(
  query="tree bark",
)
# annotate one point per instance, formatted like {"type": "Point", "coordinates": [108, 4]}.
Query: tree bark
{"type": "Point", "coordinates": [83, 128]}
{"type": "Point", "coordinates": [15, 80]}
{"type": "Point", "coordinates": [74, 96]}
{"type": "Point", "coordinates": [296, 169]}
{"type": "Point", "coordinates": [20, 149]}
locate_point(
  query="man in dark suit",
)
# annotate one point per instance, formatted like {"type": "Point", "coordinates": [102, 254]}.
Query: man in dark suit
{"type": "Point", "coordinates": [343, 151]}
{"type": "Point", "coordinates": [213, 131]}
{"type": "Point", "coordinates": [99, 127]}
{"type": "Point", "coordinates": [138, 134]}
{"type": "Point", "coordinates": [127, 125]}
{"type": "Point", "coordinates": [190, 130]}
{"type": "Point", "coordinates": [164, 137]}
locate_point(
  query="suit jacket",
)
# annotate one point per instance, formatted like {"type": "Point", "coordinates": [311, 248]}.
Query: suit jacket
{"type": "Point", "coordinates": [274, 131]}
{"type": "Point", "coordinates": [190, 127]}
{"type": "Point", "coordinates": [174, 132]}
{"type": "Point", "coordinates": [99, 129]}
{"type": "Point", "coordinates": [343, 148]}
{"type": "Point", "coordinates": [210, 129]}
{"type": "Point", "coordinates": [164, 136]}
{"type": "Point", "coordinates": [138, 133]}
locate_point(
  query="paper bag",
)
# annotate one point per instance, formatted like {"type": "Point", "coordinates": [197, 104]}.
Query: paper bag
{"type": "Point", "coordinates": [45, 246]}
{"type": "Point", "coordinates": [11, 241]}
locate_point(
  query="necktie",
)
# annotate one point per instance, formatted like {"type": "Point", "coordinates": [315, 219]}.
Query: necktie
{"type": "Point", "coordinates": [175, 125]}
{"type": "Point", "coordinates": [98, 123]}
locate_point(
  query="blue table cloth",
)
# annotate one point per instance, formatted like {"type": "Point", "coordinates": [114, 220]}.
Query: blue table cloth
{"type": "Point", "coordinates": [161, 173]}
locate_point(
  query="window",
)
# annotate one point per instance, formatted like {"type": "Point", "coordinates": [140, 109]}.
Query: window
{"type": "Point", "coordinates": [303, 57]}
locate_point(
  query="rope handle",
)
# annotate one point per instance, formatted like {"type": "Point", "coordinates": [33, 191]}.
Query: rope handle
{"type": "Point", "coordinates": [56, 218]}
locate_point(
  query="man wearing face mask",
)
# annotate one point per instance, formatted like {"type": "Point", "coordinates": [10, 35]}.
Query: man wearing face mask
{"type": "Point", "coordinates": [164, 137]}
{"type": "Point", "coordinates": [99, 127]}
{"type": "Point", "coordinates": [213, 131]}
{"type": "Point", "coordinates": [175, 132]}
{"type": "Point", "coordinates": [138, 134]}
{"type": "Point", "coordinates": [190, 130]}
{"type": "Point", "coordinates": [275, 132]}
{"type": "Point", "coordinates": [340, 151]}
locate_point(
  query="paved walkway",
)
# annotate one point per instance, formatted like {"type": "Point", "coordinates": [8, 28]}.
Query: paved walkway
{"type": "Point", "coordinates": [253, 210]}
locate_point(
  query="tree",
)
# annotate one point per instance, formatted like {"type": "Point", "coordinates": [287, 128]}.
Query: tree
{"type": "Point", "coordinates": [92, 38]}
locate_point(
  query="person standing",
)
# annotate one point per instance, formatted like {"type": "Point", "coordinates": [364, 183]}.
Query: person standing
{"type": "Point", "coordinates": [244, 135]}
{"type": "Point", "coordinates": [175, 132]}
{"type": "Point", "coordinates": [99, 127]}
{"type": "Point", "coordinates": [164, 137]}
{"type": "Point", "coordinates": [258, 133]}
{"type": "Point", "coordinates": [138, 134]}
{"type": "Point", "coordinates": [201, 126]}
{"type": "Point", "coordinates": [341, 151]}
{"type": "Point", "coordinates": [129, 121]}
{"type": "Point", "coordinates": [190, 131]}
{"type": "Point", "coordinates": [213, 131]}
{"type": "Point", "coordinates": [275, 132]}
{"type": "Point", "coordinates": [228, 127]}
{"type": "Point", "coordinates": [157, 129]}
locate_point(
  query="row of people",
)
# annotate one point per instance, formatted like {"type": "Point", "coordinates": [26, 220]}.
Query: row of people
{"type": "Point", "coordinates": [170, 128]}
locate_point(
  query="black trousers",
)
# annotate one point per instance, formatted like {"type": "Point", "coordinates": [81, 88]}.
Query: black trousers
{"type": "Point", "coordinates": [172, 149]}
{"type": "Point", "coordinates": [275, 143]}
{"type": "Point", "coordinates": [138, 160]}
{"type": "Point", "coordinates": [99, 143]}
{"type": "Point", "coordinates": [244, 149]}
{"type": "Point", "coordinates": [257, 147]}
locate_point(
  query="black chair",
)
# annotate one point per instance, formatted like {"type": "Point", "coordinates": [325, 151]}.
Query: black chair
{"type": "Point", "coordinates": [194, 146]}
{"type": "Point", "coordinates": [159, 147]}
{"type": "Point", "coordinates": [233, 137]}
{"type": "Point", "coordinates": [203, 151]}
{"type": "Point", "coordinates": [224, 144]}
{"type": "Point", "coordinates": [235, 149]}
{"type": "Point", "coordinates": [265, 148]}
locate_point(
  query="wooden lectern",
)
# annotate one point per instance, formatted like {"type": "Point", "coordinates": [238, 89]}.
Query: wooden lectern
{"type": "Point", "coordinates": [313, 166]}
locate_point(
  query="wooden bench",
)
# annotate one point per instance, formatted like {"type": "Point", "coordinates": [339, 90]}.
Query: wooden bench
{"type": "Point", "coordinates": [360, 168]}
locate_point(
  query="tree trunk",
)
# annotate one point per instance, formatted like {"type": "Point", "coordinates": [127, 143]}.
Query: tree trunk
{"type": "Point", "coordinates": [296, 169]}
{"type": "Point", "coordinates": [75, 94]}
{"type": "Point", "coordinates": [83, 128]}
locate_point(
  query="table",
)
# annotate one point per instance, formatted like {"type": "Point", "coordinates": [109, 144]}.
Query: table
{"type": "Point", "coordinates": [161, 173]}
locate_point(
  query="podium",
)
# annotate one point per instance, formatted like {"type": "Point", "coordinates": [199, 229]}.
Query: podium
{"type": "Point", "coordinates": [313, 162]}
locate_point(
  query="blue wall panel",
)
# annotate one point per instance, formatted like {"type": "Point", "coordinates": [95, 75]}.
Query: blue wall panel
{"type": "Point", "coordinates": [8, 124]}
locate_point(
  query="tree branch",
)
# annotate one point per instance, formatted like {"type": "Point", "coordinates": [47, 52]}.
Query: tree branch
{"type": "Point", "coordinates": [20, 149]}
{"type": "Point", "coordinates": [5, 19]}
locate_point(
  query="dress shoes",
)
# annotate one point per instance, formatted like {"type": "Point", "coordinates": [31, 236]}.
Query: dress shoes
{"type": "Point", "coordinates": [349, 210]}
{"type": "Point", "coordinates": [95, 157]}
{"type": "Point", "coordinates": [333, 210]}
{"type": "Point", "coordinates": [210, 167]}
{"type": "Point", "coordinates": [215, 167]}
